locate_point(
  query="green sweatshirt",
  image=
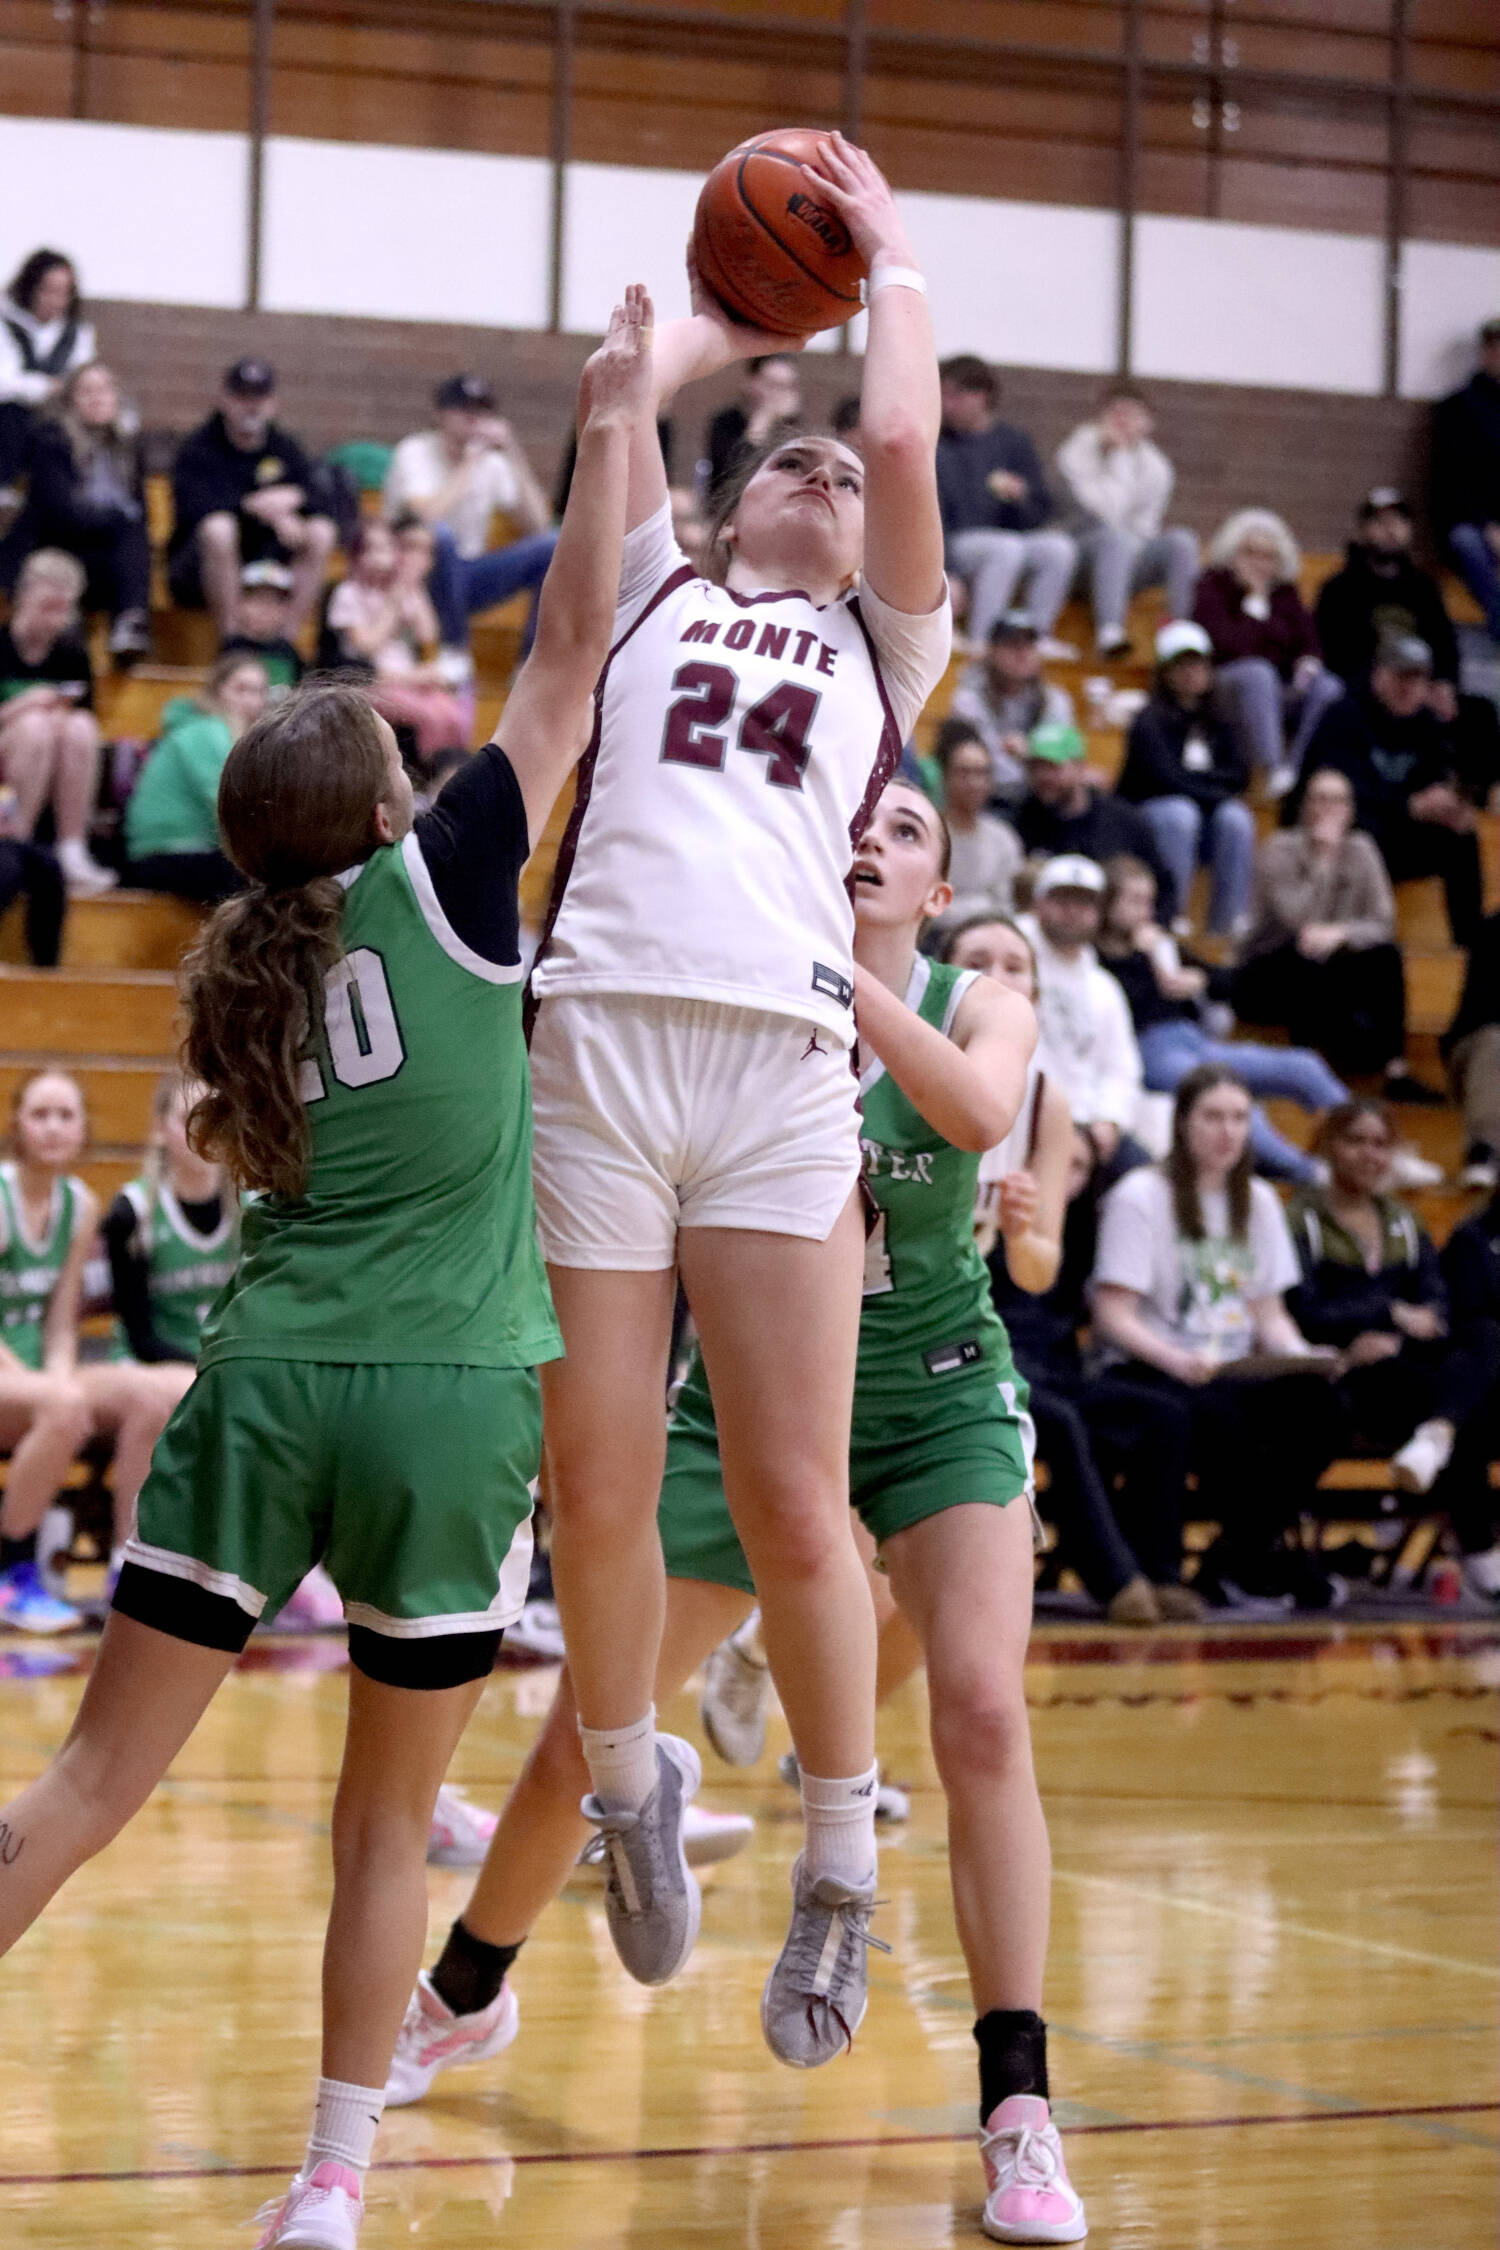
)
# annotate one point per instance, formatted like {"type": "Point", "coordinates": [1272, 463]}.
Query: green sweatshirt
{"type": "Point", "coordinates": [174, 805]}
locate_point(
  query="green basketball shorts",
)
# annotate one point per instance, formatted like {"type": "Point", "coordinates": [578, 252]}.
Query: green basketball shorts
{"type": "Point", "coordinates": [410, 1484]}
{"type": "Point", "coordinates": [978, 1446]}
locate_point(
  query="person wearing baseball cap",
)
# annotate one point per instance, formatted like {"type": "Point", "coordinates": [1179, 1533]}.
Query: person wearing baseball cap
{"type": "Point", "coordinates": [1082, 1013]}
{"type": "Point", "coordinates": [1465, 485]}
{"type": "Point", "coordinates": [1380, 593]}
{"type": "Point", "coordinates": [1005, 695]}
{"type": "Point", "coordinates": [1186, 770]}
{"type": "Point", "coordinates": [240, 494]}
{"type": "Point", "coordinates": [1403, 763]}
{"type": "Point", "coordinates": [1069, 810]}
{"type": "Point", "coordinates": [457, 475]}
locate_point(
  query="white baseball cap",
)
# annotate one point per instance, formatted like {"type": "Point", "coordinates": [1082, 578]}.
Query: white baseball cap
{"type": "Point", "coordinates": [1070, 871]}
{"type": "Point", "coordinates": [1182, 638]}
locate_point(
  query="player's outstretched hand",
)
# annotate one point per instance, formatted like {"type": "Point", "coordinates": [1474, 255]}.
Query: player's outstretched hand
{"type": "Point", "coordinates": [740, 340]}
{"type": "Point", "coordinates": [860, 193]}
{"type": "Point", "coordinates": [616, 384]}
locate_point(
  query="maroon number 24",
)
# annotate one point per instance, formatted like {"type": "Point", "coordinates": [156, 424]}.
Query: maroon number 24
{"type": "Point", "coordinates": [776, 728]}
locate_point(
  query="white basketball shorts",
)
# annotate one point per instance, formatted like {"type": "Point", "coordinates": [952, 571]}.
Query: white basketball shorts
{"type": "Point", "coordinates": [654, 1113]}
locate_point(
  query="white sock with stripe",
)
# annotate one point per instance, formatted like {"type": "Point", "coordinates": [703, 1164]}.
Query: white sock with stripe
{"type": "Point", "coordinates": [621, 1762]}
{"type": "Point", "coordinates": [839, 1817]}
{"type": "Point", "coordinates": [344, 2125]}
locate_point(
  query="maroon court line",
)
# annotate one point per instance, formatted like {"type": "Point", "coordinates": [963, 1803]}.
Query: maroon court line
{"type": "Point", "coordinates": [753, 2148]}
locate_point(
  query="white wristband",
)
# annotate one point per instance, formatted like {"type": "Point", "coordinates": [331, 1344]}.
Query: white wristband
{"type": "Point", "coordinates": [895, 277]}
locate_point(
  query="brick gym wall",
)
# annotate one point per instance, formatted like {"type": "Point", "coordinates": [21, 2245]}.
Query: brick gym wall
{"type": "Point", "coordinates": [1307, 454]}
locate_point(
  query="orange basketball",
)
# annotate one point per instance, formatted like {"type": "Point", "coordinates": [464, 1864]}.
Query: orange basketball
{"type": "Point", "coordinates": [768, 247]}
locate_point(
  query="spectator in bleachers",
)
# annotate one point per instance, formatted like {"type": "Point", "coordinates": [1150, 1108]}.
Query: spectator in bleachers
{"type": "Point", "coordinates": [1273, 685]}
{"type": "Point", "coordinates": [43, 337]}
{"type": "Point", "coordinates": [1471, 1269]}
{"type": "Point", "coordinates": [260, 627]}
{"type": "Point", "coordinates": [1167, 1001]}
{"type": "Point", "coordinates": [172, 819]}
{"type": "Point", "coordinates": [240, 488]}
{"type": "Point", "coordinates": [1187, 772]}
{"type": "Point", "coordinates": [1320, 957]}
{"type": "Point", "coordinates": [997, 510]}
{"type": "Point", "coordinates": [51, 1405]}
{"type": "Point", "coordinates": [769, 408]}
{"type": "Point", "coordinates": [1382, 595]}
{"type": "Point", "coordinates": [1466, 477]}
{"type": "Point", "coordinates": [1404, 764]}
{"type": "Point", "coordinates": [1193, 1264]}
{"type": "Point", "coordinates": [1121, 484]}
{"type": "Point", "coordinates": [85, 495]}
{"type": "Point", "coordinates": [29, 871]}
{"type": "Point", "coordinates": [1082, 1015]}
{"type": "Point", "coordinates": [1005, 698]}
{"type": "Point", "coordinates": [1066, 809]}
{"type": "Point", "coordinates": [985, 850]}
{"type": "Point", "coordinates": [1108, 1449]}
{"type": "Point", "coordinates": [455, 476]}
{"type": "Point", "coordinates": [1471, 1049]}
{"type": "Point", "coordinates": [689, 525]}
{"type": "Point", "coordinates": [49, 737]}
{"type": "Point", "coordinates": [379, 621]}
{"type": "Point", "coordinates": [1373, 1287]}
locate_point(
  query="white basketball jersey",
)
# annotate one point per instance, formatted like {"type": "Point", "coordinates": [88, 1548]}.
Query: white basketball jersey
{"type": "Point", "coordinates": [1016, 1151]}
{"type": "Point", "coordinates": [740, 744]}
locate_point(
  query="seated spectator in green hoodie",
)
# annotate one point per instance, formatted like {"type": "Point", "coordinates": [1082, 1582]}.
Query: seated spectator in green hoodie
{"type": "Point", "coordinates": [172, 819]}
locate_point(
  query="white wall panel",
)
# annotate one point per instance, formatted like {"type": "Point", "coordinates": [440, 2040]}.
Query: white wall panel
{"type": "Point", "coordinates": [149, 215]}
{"type": "Point", "coordinates": [1221, 303]}
{"type": "Point", "coordinates": [1447, 289]}
{"type": "Point", "coordinates": [406, 233]}
{"type": "Point", "coordinates": [1031, 284]}
{"type": "Point", "coordinates": [623, 225]}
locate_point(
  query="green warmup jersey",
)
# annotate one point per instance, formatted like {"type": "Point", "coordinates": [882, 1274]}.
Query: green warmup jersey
{"type": "Point", "coordinates": [415, 1241]}
{"type": "Point", "coordinates": [29, 1271]}
{"type": "Point", "coordinates": [185, 1270]}
{"type": "Point", "coordinates": [927, 1319]}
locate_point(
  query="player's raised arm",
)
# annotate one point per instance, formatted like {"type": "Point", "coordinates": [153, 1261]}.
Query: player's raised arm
{"type": "Point", "coordinates": [899, 408]}
{"type": "Point", "coordinates": [545, 725]}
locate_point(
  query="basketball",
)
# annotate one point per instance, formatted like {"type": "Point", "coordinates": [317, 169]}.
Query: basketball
{"type": "Point", "coordinates": [773, 252]}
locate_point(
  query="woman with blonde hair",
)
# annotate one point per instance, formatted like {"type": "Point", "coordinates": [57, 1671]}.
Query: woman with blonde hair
{"type": "Point", "coordinates": [85, 495]}
{"type": "Point", "coordinates": [49, 737]}
{"type": "Point", "coordinates": [51, 1403]}
{"type": "Point", "coordinates": [1272, 686]}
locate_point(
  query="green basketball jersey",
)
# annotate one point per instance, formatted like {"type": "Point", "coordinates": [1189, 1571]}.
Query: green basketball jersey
{"type": "Point", "coordinates": [29, 1271]}
{"type": "Point", "coordinates": [415, 1240]}
{"type": "Point", "coordinates": [927, 1312]}
{"type": "Point", "coordinates": [927, 1326]}
{"type": "Point", "coordinates": [185, 1270]}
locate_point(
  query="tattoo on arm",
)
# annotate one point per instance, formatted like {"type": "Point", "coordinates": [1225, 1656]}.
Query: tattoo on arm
{"type": "Point", "coordinates": [12, 1844]}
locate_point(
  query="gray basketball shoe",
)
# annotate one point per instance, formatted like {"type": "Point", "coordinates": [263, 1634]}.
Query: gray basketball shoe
{"type": "Point", "coordinates": [651, 1897]}
{"type": "Point", "coordinates": [815, 1998]}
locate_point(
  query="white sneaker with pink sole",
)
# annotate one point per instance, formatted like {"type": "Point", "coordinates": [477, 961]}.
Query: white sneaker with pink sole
{"type": "Point", "coordinates": [1030, 2197]}
{"type": "Point", "coordinates": [321, 2212]}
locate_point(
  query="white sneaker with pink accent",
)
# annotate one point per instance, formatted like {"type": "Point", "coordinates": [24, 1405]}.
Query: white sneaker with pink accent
{"type": "Point", "coordinates": [461, 1831]}
{"type": "Point", "coordinates": [433, 2038]}
{"type": "Point", "coordinates": [321, 2212]}
{"type": "Point", "coordinates": [1030, 2197]}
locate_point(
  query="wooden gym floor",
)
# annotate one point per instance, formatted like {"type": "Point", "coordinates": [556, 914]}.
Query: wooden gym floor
{"type": "Point", "coordinates": [1272, 1992]}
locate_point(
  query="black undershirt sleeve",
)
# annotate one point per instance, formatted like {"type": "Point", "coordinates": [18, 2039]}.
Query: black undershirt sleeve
{"type": "Point", "coordinates": [475, 843]}
{"type": "Point", "coordinates": [129, 1281]}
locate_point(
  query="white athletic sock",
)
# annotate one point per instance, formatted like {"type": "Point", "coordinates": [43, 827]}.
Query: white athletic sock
{"type": "Point", "coordinates": [621, 1762]}
{"type": "Point", "coordinates": [840, 1821]}
{"type": "Point", "coordinates": [344, 2125]}
{"type": "Point", "coordinates": [750, 1641]}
